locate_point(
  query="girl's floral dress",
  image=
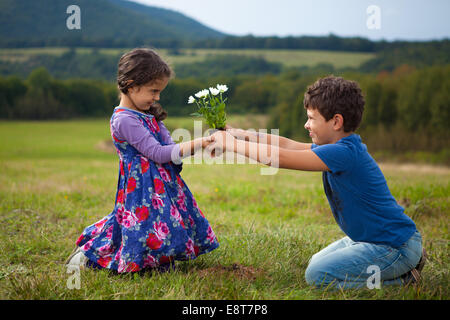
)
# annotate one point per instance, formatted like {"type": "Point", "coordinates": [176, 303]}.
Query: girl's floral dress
{"type": "Point", "coordinates": [155, 219]}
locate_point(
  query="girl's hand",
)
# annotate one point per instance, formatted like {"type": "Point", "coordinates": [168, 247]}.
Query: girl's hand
{"type": "Point", "coordinates": [206, 141]}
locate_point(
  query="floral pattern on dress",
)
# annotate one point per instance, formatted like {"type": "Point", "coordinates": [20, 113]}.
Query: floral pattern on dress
{"type": "Point", "coordinates": [155, 220]}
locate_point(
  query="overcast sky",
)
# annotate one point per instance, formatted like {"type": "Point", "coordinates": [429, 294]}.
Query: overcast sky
{"type": "Point", "coordinates": [399, 19]}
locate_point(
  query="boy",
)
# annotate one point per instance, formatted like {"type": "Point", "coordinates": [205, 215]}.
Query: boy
{"type": "Point", "coordinates": [380, 237]}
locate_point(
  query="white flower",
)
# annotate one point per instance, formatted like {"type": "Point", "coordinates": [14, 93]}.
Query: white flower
{"type": "Point", "coordinates": [202, 94]}
{"type": "Point", "coordinates": [222, 87]}
{"type": "Point", "coordinates": [191, 100]}
{"type": "Point", "coordinates": [214, 91]}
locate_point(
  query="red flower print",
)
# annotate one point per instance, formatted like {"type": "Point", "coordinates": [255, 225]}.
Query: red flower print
{"type": "Point", "coordinates": [109, 232]}
{"type": "Point", "coordinates": [181, 200]}
{"type": "Point", "coordinates": [189, 247]}
{"type": "Point", "coordinates": [79, 239]}
{"type": "Point", "coordinates": [196, 250]}
{"type": "Point", "coordinates": [129, 167]}
{"type": "Point", "coordinates": [164, 174]}
{"type": "Point", "coordinates": [119, 214]}
{"type": "Point", "coordinates": [120, 196]}
{"type": "Point", "coordinates": [159, 186]}
{"type": "Point", "coordinates": [141, 213]}
{"type": "Point", "coordinates": [88, 245]}
{"type": "Point", "coordinates": [180, 182]}
{"type": "Point", "coordinates": [210, 235]}
{"type": "Point", "coordinates": [100, 224]}
{"type": "Point", "coordinates": [117, 140]}
{"type": "Point", "coordinates": [201, 213]}
{"type": "Point", "coordinates": [132, 267]}
{"type": "Point", "coordinates": [153, 242]}
{"type": "Point", "coordinates": [155, 124]}
{"type": "Point", "coordinates": [104, 261]}
{"type": "Point", "coordinates": [157, 201]}
{"type": "Point", "coordinates": [144, 165]}
{"type": "Point", "coordinates": [174, 212]}
{"type": "Point", "coordinates": [194, 203]}
{"type": "Point", "coordinates": [105, 250]}
{"type": "Point", "coordinates": [161, 229]}
{"type": "Point", "coordinates": [165, 259]}
{"type": "Point", "coordinates": [122, 173]}
{"type": "Point", "coordinates": [176, 215]}
{"type": "Point", "coordinates": [131, 185]}
{"type": "Point", "coordinates": [150, 261]}
{"type": "Point", "coordinates": [117, 257]}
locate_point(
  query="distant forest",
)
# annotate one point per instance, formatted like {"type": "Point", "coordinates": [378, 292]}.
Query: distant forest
{"type": "Point", "coordinates": [406, 88]}
{"type": "Point", "coordinates": [95, 65]}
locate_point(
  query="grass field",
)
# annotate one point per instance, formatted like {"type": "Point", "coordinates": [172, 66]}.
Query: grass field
{"type": "Point", "coordinates": [289, 58]}
{"type": "Point", "coordinates": [55, 181]}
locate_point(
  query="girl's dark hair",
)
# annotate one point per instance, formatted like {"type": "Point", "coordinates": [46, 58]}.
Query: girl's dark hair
{"type": "Point", "coordinates": [335, 95]}
{"type": "Point", "coordinates": [141, 66]}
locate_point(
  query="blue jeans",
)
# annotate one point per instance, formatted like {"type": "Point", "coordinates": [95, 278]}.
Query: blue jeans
{"type": "Point", "coordinates": [349, 264]}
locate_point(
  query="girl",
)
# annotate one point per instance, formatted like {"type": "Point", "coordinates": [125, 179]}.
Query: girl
{"type": "Point", "coordinates": [155, 219]}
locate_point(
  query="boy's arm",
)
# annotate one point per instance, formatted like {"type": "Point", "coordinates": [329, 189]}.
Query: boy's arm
{"type": "Point", "coordinates": [267, 138]}
{"type": "Point", "coordinates": [271, 155]}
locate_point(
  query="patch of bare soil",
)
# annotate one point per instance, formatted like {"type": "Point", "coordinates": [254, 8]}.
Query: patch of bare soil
{"type": "Point", "coordinates": [417, 168]}
{"type": "Point", "coordinates": [106, 146]}
{"type": "Point", "coordinates": [236, 270]}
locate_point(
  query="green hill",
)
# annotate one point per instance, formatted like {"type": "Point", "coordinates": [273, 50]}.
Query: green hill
{"type": "Point", "coordinates": [104, 23]}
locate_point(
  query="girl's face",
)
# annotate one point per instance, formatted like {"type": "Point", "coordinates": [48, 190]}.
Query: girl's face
{"type": "Point", "coordinates": [145, 95]}
{"type": "Point", "coordinates": [320, 130]}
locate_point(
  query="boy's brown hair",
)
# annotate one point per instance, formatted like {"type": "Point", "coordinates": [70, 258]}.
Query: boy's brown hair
{"type": "Point", "coordinates": [335, 95]}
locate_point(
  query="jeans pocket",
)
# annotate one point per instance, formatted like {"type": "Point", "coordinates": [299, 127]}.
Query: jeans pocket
{"type": "Point", "coordinates": [386, 251]}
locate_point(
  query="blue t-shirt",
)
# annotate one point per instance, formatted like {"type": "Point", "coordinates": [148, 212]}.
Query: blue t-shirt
{"type": "Point", "coordinates": [360, 199]}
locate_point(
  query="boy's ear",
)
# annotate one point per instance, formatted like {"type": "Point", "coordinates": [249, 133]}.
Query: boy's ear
{"type": "Point", "coordinates": [338, 121]}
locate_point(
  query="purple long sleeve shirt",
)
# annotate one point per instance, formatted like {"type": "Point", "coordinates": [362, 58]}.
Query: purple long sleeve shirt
{"type": "Point", "coordinates": [127, 127]}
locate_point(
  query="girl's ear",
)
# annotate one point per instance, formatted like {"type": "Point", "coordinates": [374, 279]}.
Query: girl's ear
{"type": "Point", "coordinates": [129, 86]}
{"type": "Point", "coordinates": [338, 122]}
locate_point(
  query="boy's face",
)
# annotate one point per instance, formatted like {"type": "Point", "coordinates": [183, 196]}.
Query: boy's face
{"type": "Point", "coordinates": [144, 96]}
{"type": "Point", "coordinates": [320, 130]}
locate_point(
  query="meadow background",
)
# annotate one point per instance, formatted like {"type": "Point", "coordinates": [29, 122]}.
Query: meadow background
{"type": "Point", "coordinates": [57, 177]}
{"type": "Point", "coordinates": [59, 171]}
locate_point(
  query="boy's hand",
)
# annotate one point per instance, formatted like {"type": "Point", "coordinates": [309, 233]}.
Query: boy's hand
{"type": "Point", "coordinates": [238, 133]}
{"type": "Point", "coordinates": [222, 141]}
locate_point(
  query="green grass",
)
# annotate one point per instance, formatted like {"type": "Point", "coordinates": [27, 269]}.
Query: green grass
{"type": "Point", "coordinates": [55, 181]}
{"type": "Point", "coordinates": [289, 58]}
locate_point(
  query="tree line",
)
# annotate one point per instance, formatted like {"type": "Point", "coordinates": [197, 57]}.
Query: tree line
{"type": "Point", "coordinates": [330, 42]}
{"type": "Point", "coordinates": [96, 65]}
{"type": "Point", "coordinates": [406, 109]}
{"type": "Point", "coordinates": [413, 98]}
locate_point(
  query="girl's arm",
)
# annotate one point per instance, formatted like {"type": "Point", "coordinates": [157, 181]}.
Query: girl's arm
{"type": "Point", "coordinates": [267, 138]}
{"type": "Point", "coordinates": [270, 155]}
{"type": "Point", "coordinates": [128, 127]}
{"type": "Point", "coordinates": [188, 148]}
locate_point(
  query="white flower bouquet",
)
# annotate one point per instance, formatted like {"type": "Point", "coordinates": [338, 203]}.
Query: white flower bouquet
{"type": "Point", "coordinates": [211, 106]}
